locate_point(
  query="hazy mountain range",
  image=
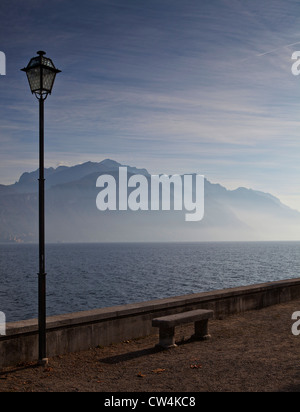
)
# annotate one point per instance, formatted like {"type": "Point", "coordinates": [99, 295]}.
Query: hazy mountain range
{"type": "Point", "coordinates": [72, 216]}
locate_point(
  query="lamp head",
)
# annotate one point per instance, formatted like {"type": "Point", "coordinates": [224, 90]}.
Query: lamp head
{"type": "Point", "coordinates": [41, 74]}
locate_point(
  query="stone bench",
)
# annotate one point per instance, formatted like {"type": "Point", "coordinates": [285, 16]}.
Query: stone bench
{"type": "Point", "coordinates": [167, 324]}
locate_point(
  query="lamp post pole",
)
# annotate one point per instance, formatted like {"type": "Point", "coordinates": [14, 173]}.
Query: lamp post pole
{"type": "Point", "coordinates": [41, 74]}
{"type": "Point", "coordinates": [42, 263]}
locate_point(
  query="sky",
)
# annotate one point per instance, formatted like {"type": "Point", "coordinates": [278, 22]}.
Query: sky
{"type": "Point", "coordinates": [174, 86]}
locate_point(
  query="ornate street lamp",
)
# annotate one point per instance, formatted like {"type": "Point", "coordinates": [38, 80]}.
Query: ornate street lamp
{"type": "Point", "coordinates": [41, 74]}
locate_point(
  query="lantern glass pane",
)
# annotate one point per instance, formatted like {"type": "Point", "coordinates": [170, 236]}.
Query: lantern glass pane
{"type": "Point", "coordinates": [47, 62]}
{"type": "Point", "coordinates": [34, 62]}
{"type": "Point", "coordinates": [34, 79]}
{"type": "Point", "coordinates": [48, 79]}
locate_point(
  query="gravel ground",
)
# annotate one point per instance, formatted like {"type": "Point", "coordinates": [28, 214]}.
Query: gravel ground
{"type": "Point", "coordinates": [252, 352]}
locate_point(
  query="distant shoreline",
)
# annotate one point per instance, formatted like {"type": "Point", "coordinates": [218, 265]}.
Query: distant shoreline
{"type": "Point", "coordinates": [154, 242]}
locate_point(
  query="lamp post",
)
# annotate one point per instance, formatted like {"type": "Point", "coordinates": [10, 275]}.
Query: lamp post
{"type": "Point", "coordinates": [41, 74]}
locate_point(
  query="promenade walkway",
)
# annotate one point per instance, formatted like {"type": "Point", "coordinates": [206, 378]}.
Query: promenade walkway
{"type": "Point", "coordinates": [255, 351]}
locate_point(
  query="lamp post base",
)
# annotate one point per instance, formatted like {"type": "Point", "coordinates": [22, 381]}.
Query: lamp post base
{"type": "Point", "coordinates": [43, 362]}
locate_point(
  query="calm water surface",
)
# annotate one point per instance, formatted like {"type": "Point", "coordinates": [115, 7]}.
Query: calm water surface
{"type": "Point", "coordinates": [90, 276]}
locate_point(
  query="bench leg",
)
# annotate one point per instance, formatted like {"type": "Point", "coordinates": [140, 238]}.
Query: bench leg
{"type": "Point", "coordinates": [201, 330]}
{"type": "Point", "coordinates": [167, 338]}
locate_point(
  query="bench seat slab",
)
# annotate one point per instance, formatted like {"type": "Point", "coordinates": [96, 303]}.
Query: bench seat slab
{"type": "Point", "coordinates": [180, 318]}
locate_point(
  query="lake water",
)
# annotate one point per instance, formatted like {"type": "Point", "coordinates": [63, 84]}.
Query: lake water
{"type": "Point", "coordinates": [90, 276]}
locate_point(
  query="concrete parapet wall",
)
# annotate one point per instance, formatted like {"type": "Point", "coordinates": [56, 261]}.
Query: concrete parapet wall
{"type": "Point", "coordinates": [83, 330]}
